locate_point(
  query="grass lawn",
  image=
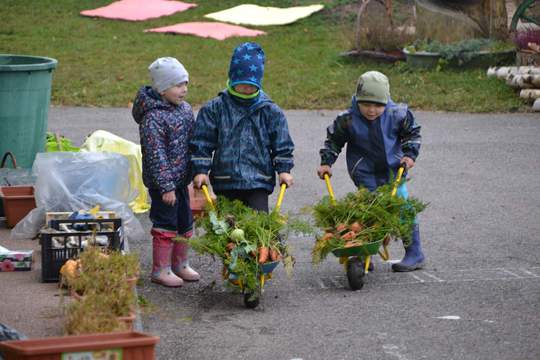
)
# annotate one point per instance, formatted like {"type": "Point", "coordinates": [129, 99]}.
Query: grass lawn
{"type": "Point", "coordinates": [103, 62]}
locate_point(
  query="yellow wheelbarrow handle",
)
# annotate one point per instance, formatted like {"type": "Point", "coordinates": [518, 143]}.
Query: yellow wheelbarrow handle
{"type": "Point", "coordinates": [207, 197]}
{"type": "Point", "coordinates": [282, 189]}
{"type": "Point", "coordinates": [398, 179]}
{"type": "Point", "coordinates": [330, 190]}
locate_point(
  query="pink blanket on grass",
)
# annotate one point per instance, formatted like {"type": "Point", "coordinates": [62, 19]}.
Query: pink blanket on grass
{"type": "Point", "coordinates": [214, 30]}
{"type": "Point", "coordinates": [138, 10]}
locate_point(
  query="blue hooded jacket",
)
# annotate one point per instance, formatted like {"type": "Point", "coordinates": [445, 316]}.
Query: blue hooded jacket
{"type": "Point", "coordinates": [165, 130]}
{"type": "Point", "coordinates": [400, 135]}
{"type": "Point", "coordinates": [242, 146]}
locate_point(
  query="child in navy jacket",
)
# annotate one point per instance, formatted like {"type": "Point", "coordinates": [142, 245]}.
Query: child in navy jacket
{"type": "Point", "coordinates": [381, 136]}
{"type": "Point", "coordinates": [242, 139]}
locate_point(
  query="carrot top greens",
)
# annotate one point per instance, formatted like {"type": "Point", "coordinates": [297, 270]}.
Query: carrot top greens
{"type": "Point", "coordinates": [363, 217]}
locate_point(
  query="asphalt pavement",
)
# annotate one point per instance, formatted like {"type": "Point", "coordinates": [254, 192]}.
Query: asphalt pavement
{"type": "Point", "coordinates": [477, 298]}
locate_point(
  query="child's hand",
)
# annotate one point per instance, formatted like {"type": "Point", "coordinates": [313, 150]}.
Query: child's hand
{"type": "Point", "coordinates": [200, 180]}
{"type": "Point", "coordinates": [286, 178]}
{"type": "Point", "coordinates": [169, 198]}
{"type": "Point", "coordinates": [409, 163]}
{"type": "Point", "coordinates": [324, 169]}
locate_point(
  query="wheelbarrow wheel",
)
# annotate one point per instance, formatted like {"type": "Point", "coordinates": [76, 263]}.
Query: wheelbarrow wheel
{"type": "Point", "coordinates": [355, 273]}
{"type": "Point", "coordinates": [251, 300]}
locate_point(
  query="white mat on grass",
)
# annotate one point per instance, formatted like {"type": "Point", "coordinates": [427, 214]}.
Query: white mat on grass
{"type": "Point", "coordinates": [248, 14]}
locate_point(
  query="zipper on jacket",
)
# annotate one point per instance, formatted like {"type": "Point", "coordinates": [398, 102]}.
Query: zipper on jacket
{"type": "Point", "coordinates": [355, 165]}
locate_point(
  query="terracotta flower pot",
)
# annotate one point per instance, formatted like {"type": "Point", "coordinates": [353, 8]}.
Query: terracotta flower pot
{"type": "Point", "coordinates": [17, 202]}
{"type": "Point", "coordinates": [124, 345]}
{"type": "Point", "coordinates": [128, 320]}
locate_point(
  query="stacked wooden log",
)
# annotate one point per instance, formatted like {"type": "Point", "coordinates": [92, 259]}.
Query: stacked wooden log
{"type": "Point", "coordinates": [526, 78]}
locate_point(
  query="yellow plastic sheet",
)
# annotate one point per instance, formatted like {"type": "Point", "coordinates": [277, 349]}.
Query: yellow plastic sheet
{"type": "Point", "coordinates": [249, 14]}
{"type": "Point", "coordinates": [103, 141]}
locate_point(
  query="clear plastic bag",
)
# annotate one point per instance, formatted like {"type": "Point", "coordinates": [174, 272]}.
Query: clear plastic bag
{"type": "Point", "coordinates": [72, 181]}
{"type": "Point", "coordinates": [12, 177]}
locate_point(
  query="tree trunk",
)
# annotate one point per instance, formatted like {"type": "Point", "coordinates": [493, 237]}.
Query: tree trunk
{"type": "Point", "coordinates": [489, 15]}
{"type": "Point", "coordinates": [363, 4]}
{"type": "Point", "coordinates": [496, 18]}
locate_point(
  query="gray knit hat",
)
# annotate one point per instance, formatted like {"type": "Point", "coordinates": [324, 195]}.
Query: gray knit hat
{"type": "Point", "coordinates": [167, 72]}
{"type": "Point", "coordinates": [373, 86]}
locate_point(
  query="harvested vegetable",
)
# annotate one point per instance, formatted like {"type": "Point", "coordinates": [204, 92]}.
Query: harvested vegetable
{"type": "Point", "coordinates": [264, 253]}
{"type": "Point", "coordinates": [363, 217]}
{"type": "Point", "coordinates": [243, 241]}
{"type": "Point", "coordinates": [275, 255]}
{"type": "Point", "coordinates": [356, 227]}
{"type": "Point", "coordinates": [237, 235]}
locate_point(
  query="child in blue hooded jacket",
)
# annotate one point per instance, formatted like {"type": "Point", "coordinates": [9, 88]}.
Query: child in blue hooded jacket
{"type": "Point", "coordinates": [242, 138]}
{"type": "Point", "coordinates": [165, 127]}
{"type": "Point", "coordinates": [381, 136]}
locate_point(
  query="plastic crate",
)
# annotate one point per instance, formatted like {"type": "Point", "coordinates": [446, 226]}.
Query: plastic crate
{"type": "Point", "coordinates": [52, 258]}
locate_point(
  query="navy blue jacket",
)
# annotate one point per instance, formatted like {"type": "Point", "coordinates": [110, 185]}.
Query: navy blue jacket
{"type": "Point", "coordinates": [401, 137]}
{"type": "Point", "coordinates": [165, 130]}
{"type": "Point", "coordinates": [242, 146]}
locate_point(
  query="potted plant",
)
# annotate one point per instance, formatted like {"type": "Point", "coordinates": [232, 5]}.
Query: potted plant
{"type": "Point", "coordinates": [103, 285]}
{"type": "Point", "coordinates": [466, 53]}
{"type": "Point", "coordinates": [99, 272]}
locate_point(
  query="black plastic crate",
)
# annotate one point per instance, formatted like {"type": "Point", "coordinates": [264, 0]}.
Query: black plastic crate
{"type": "Point", "coordinates": [53, 258]}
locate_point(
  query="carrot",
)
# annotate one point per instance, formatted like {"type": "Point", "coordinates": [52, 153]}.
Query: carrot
{"type": "Point", "coordinates": [327, 236]}
{"type": "Point", "coordinates": [356, 227]}
{"type": "Point", "coordinates": [275, 255]}
{"type": "Point", "coordinates": [341, 227]}
{"type": "Point", "coordinates": [351, 244]}
{"type": "Point", "coordinates": [263, 254]}
{"type": "Point", "coordinates": [349, 235]}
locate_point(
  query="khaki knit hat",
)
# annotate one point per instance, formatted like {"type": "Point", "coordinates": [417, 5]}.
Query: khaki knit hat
{"type": "Point", "coordinates": [374, 87]}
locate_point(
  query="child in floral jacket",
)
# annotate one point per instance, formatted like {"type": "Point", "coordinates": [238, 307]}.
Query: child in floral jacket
{"type": "Point", "coordinates": [165, 128]}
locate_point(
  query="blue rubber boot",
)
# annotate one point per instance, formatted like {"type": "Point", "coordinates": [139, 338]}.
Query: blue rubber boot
{"type": "Point", "coordinates": [414, 257]}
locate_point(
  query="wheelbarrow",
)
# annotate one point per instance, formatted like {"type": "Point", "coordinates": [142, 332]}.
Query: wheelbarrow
{"type": "Point", "coordinates": [357, 259]}
{"type": "Point", "coordinates": [251, 299]}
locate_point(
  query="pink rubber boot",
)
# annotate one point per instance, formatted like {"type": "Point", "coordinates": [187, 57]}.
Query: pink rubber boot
{"type": "Point", "coordinates": [162, 248]}
{"type": "Point", "coordinates": [180, 264]}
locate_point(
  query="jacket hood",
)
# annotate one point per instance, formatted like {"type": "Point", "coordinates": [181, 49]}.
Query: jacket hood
{"type": "Point", "coordinates": [147, 99]}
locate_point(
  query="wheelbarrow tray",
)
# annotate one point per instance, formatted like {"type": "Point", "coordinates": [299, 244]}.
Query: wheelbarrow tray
{"type": "Point", "coordinates": [268, 267]}
{"type": "Point", "coordinates": [265, 268]}
{"type": "Point", "coordinates": [361, 250]}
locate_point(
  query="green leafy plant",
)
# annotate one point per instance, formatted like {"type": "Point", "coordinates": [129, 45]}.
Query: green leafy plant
{"type": "Point", "coordinates": [58, 143]}
{"type": "Point", "coordinates": [363, 217]}
{"type": "Point", "coordinates": [92, 315]}
{"type": "Point", "coordinates": [238, 236]}
{"type": "Point", "coordinates": [462, 51]}
{"type": "Point", "coordinates": [103, 285]}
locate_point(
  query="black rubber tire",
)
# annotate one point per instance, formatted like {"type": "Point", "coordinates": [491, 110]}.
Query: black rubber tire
{"type": "Point", "coordinates": [251, 303]}
{"type": "Point", "coordinates": [355, 273]}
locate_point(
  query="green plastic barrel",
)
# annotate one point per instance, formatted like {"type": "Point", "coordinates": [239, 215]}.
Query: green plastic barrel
{"type": "Point", "coordinates": [25, 95]}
